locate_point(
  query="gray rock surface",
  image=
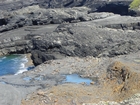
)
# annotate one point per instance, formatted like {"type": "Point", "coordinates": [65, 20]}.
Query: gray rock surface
{"type": "Point", "coordinates": [108, 35]}
{"type": "Point", "coordinates": [100, 41]}
{"type": "Point", "coordinates": [15, 42]}
{"type": "Point", "coordinates": [16, 4]}
{"type": "Point", "coordinates": [34, 15]}
{"type": "Point", "coordinates": [15, 14]}
{"type": "Point", "coordinates": [52, 73]}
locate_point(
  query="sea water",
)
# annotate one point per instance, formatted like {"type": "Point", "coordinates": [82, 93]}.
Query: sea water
{"type": "Point", "coordinates": [13, 64]}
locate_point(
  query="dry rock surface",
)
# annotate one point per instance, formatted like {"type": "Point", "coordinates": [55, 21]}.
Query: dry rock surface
{"type": "Point", "coordinates": [117, 82]}
{"type": "Point", "coordinates": [112, 82]}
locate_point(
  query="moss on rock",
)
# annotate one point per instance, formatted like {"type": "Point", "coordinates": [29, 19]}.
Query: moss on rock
{"type": "Point", "coordinates": [135, 4]}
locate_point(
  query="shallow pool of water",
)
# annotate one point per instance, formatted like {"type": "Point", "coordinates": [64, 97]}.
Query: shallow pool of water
{"type": "Point", "coordinates": [75, 78]}
{"type": "Point", "coordinates": [27, 79]}
{"type": "Point", "coordinates": [2, 82]}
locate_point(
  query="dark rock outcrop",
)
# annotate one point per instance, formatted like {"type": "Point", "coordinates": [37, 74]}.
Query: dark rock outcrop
{"type": "Point", "coordinates": [15, 42]}
{"type": "Point", "coordinates": [70, 38]}
{"type": "Point", "coordinates": [65, 39]}
{"type": "Point", "coordinates": [73, 40]}
{"type": "Point", "coordinates": [121, 8]}
{"type": "Point", "coordinates": [18, 4]}
{"type": "Point", "coordinates": [16, 14]}
{"type": "Point", "coordinates": [34, 15]}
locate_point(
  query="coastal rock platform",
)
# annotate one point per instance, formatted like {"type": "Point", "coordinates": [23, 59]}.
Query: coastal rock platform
{"type": "Point", "coordinates": [113, 79]}
{"type": "Point", "coordinates": [81, 37]}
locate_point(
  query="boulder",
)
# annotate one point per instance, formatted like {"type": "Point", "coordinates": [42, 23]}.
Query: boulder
{"type": "Point", "coordinates": [119, 71]}
{"type": "Point", "coordinates": [123, 78]}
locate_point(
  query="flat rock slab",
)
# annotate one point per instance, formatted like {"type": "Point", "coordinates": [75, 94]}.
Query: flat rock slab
{"type": "Point", "coordinates": [80, 93]}
{"type": "Point", "coordinates": [51, 74]}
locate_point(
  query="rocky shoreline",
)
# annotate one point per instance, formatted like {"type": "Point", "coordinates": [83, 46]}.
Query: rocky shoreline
{"type": "Point", "coordinates": [45, 81]}
{"type": "Point", "coordinates": [29, 63]}
{"type": "Point", "coordinates": [91, 38]}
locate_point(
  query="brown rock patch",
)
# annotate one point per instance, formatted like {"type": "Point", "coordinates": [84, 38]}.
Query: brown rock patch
{"type": "Point", "coordinates": [121, 82]}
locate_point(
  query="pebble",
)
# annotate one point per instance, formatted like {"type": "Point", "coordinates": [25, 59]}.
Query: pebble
{"type": "Point", "coordinates": [92, 83]}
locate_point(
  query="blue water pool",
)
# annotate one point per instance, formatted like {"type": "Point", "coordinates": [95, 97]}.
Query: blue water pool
{"type": "Point", "coordinates": [75, 78]}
